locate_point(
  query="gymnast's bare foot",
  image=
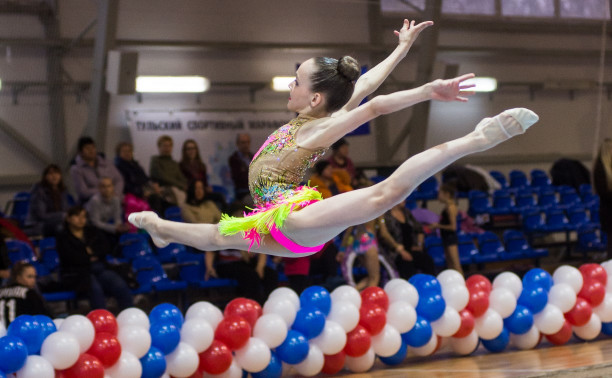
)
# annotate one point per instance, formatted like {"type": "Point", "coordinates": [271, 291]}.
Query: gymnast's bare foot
{"type": "Point", "coordinates": [505, 125]}
{"type": "Point", "coordinates": [148, 221]}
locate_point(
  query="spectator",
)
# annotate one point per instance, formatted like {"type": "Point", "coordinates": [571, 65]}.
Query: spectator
{"type": "Point", "coordinates": [602, 179]}
{"type": "Point", "coordinates": [167, 172]}
{"type": "Point", "coordinates": [361, 239]}
{"type": "Point", "coordinates": [105, 212]}
{"type": "Point", "coordinates": [448, 226]}
{"type": "Point", "coordinates": [82, 253]}
{"type": "Point", "coordinates": [340, 158]}
{"type": "Point", "coordinates": [88, 168]}
{"type": "Point", "coordinates": [330, 181]}
{"type": "Point", "coordinates": [5, 262]}
{"type": "Point", "coordinates": [49, 201]}
{"type": "Point", "coordinates": [239, 166]}
{"type": "Point", "coordinates": [20, 296]}
{"type": "Point", "coordinates": [401, 237]}
{"type": "Point", "coordinates": [193, 168]}
{"type": "Point", "coordinates": [198, 208]}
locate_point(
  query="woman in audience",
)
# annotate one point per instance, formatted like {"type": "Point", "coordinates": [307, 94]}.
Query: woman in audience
{"type": "Point", "coordinates": [20, 296]}
{"type": "Point", "coordinates": [82, 253]}
{"type": "Point", "coordinates": [330, 181]}
{"type": "Point", "coordinates": [448, 226]}
{"type": "Point", "coordinates": [193, 169]}
{"type": "Point", "coordinates": [49, 202]}
{"type": "Point", "coordinates": [602, 179]}
{"type": "Point", "coordinates": [198, 207]}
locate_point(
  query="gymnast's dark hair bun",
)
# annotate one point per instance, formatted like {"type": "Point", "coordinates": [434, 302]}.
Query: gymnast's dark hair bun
{"type": "Point", "coordinates": [349, 68]}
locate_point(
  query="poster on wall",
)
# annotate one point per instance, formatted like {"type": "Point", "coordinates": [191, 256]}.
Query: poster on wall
{"type": "Point", "coordinates": [214, 132]}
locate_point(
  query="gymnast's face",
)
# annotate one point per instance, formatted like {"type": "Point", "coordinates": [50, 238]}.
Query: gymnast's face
{"type": "Point", "coordinates": [300, 95]}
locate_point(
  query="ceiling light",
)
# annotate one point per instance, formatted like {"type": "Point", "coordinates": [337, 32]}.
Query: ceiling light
{"type": "Point", "coordinates": [483, 84]}
{"type": "Point", "coordinates": [281, 83]}
{"type": "Point", "coordinates": [172, 84]}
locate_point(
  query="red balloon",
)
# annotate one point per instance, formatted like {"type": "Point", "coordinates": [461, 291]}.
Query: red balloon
{"type": "Point", "coordinates": [375, 295]}
{"type": "Point", "coordinates": [478, 282]}
{"type": "Point", "coordinates": [478, 303]}
{"type": "Point", "coordinates": [358, 342]}
{"type": "Point", "coordinates": [103, 321]}
{"type": "Point", "coordinates": [234, 331]}
{"type": "Point", "coordinates": [247, 308]}
{"type": "Point", "coordinates": [593, 291]}
{"type": "Point", "coordinates": [216, 359]}
{"type": "Point", "coordinates": [580, 314]}
{"type": "Point", "coordinates": [86, 366]}
{"type": "Point", "coordinates": [467, 324]}
{"type": "Point", "coordinates": [333, 363]}
{"type": "Point", "coordinates": [372, 318]}
{"type": "Point", "coordinates": [561, 337]}
{"type": "Point", "coordinates": [106, 348]}
{"type": "Point", "coordinates": [594, 271]}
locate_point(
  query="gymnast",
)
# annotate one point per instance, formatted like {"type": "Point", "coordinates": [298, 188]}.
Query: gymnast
{"type": "Point", "coordinates": [294, 221]}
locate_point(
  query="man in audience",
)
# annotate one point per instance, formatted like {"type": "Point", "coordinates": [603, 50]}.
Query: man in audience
{"type": "Point", "coordinates": [166, 171]}
{"type": "Point", "coordinates": [88, 168]}
{"type": "Point", "coordinates": [239, 166]}
{"type": "Point", "coordinates": [105, 212]}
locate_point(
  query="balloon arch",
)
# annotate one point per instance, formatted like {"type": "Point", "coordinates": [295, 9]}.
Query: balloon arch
{"type": "Point", "coordinates": [317, 331]}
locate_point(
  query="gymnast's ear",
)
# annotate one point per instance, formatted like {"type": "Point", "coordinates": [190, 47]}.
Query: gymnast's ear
{"type": "Point", "coordinates": [316, 100]}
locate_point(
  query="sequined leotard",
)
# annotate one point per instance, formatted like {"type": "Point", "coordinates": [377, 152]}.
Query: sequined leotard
{"type": "Point", "coordinates": [275, 174]}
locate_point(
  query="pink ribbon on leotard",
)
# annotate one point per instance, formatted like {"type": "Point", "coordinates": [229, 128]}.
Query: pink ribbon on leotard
{"type": "Point", "coordinates": [290, 244]}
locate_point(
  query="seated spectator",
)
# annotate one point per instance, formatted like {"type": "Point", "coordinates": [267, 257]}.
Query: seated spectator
{"type": "Point", "coordinates": [448, 226]}
{"type": "Point", "coordinates": [198, 208]}
{"type": "Point", "coordinates": [105, 212]}
{"type": "Point", "coordinates": [49, 201]}
{"type": "Point", "coordinates": [167, 172]}
{"type": "Point", "coordinates": [88, 168]}
{"type": "Point", "coordinates": [239, 167]}
{"type": "Point", "coordinates": [401, 238]}
{"type": "Point", "coordinates": [82, 253]}
{"type": "Point", "coordinates": [330, 181]}
{"type": "Point", "coordinates": [193, 169]}
{"type": "Point", "coordinates": [20, 296]}
{"type": "Point", "coordinates": [340, 159]}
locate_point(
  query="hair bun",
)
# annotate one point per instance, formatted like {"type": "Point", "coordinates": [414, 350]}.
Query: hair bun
{"type": "Point", "coordinates": [349, 68]}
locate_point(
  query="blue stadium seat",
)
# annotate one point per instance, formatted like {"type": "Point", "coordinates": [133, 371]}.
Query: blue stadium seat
{"type": "Point", "coordinates": [193, 271]}
{"type": "Point", "coordinates": [585, 189]}
{"type": "Point", "coordinates": [490, 248]}
{"type": "Point", "coordinates": [547, 198]}
{"type": "Point", "coordinates": [173, 213]}
{"type": "Point", "coordinates": [428, 190]}
{"type": "Point", "coordinates": [467, 248]}
{"type": "Point", "coordinates": [478, 203]}
{"type": "Point", "coordinates": [524, 201]}
{"type": "Point", "coordinates": [20, 251]}
{"type": "Point", "coordinates": [170, 252]}
{"type": "Point", "coordinates": [501, 178]}
{"type": "Point", "coordinates": [568, 197]}
{"type": "Point", "coordinates": [18, 207]}
{"type": "Point", "coordinates": [150, 273]}
{"type": "Point", "coordinates": [556, 221]}
{"type": "Point", "coordinates": [591, 239]}
{"type": "Point", "coordinates": [539, 178]}
{"type": "Point", "coordinates": [578, 217]}
{"type": "Point", "coordinates": [532, 221]}
{"type": "Point", "coordinates": [517, 246]}
{"type": "Point", "coordinates": [435, 249]}
{"type": "Point", "coordinates": [518, 179]}
{"type": "Point", "coordinates": [134, 245]}
{"type": "Point", "coordinates": [502, 203]}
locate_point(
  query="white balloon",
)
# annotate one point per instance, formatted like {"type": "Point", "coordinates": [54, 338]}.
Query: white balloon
{"type": "Point", "coordinates": [489, 325]}
{"type": "Point", "coordinates": [604, 309]}
{"type": "Point", "coordinates": [510, 281]}
{"type": "Point", "coordinates": [332, 340]}
{"type": "Point", "coordinates": [134, 339]}
{"type": "Point", "coordinates": [346, 293]}
{"type": "Point", "coordinates": [254, 356]}
{"type": "Point", "coordinates": [285, 308]}
{"type": "Point", "coordinates": [569, 275]}
{"type": "Point", "coordinates": [61, 349]}
{"type": "Point", "coordinates": [590, 330]}
{"type": "Point", "coordinates": [362, 363]}
{"type": "Point", "coordinates": [456, 296]}
{"type": "Point", "coordinates": [207, 311]}
{"type": "Point", "coordinates": [128, 366]}
{"type": "Point", "coordinates": [393, 282]}
{"type": "Point", "coordinates": [182, 361]}
{"type": "Point", "coordinates": [313, 363]}
{"type": "Point", "coordinates": [550, 320]}
{"type": "Point", "coordinates": [387, 342]}
{"type": "Point", "coordinates": [406, 293]}
{"type": "Point", "coordinates": [58, 322]}
{"type": "Point", "coordinates": [234, 371]}
{"type": "Point", "coordinates": [450, 278]}
{"type": "Point", "coordinates": [36, 367]}
{"type": "Point", "coordinates": [563, 296]}
{"type": "Point", "coordinates": [426, 349]}
{"type": "Point", "coordinates": [503, 301]}
{"type": "Point", "coordinates": [448, 324]}
{"type": "Point", "coordinates": [197, 333]}
{"type": "Point", "coordinates": [133, 317]}
{"type": "Point", "coordinates": [527, 340]}
{"type": "Point", "coordinates": [81, 328]}
{"type": "Point", "coordinates": [464, 345]}
{"type": "Point", "coordinates": [271, 329]}
{"type": "Point", "coordinates": [401, 316]}
{"type": "Point", "coordinates": [286, 293]}
{"type": "Point", "coordinates": [344, 313]}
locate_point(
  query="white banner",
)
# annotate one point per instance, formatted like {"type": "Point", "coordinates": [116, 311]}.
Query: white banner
{"type": "Point", "coordinates": [215, 133]}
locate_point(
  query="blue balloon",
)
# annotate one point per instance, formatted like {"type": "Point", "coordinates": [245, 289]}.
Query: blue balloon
{"type": "Point", "coordinates": [153, 363]}
{"type": "Point", "coordinates": [273, 370]}
{"type": "Point", "coordinates": [29, 330]}
{"type": "Point", "coordinates": [310, 321]}
{"type": "Point", "coordinates": [47, 324]}
{"type": "Point", "coordinates": [13, 354]}
{"type": "Point", "coordinates": [427, 285]}
{"type": "Point", "coordinates": [397, 358]}
{"type": "Point", "coordinates": [420, 334]}
{"type": "Point", "coordinates": [166, 313]}
{"type": "Point", "coordinates": [538, 277]}
{"type": "Point", "coordinates": [431, 307]}
{"type": "Point", "coordinates": [294, 349]}
{"type": "Point", "coordinates": [416, 279]}
{"type": "Point", "coordinates": [606, 328]}
{"type": "Point", "coordinates": [499, 343]}
{"type": "Point", "coordinates": [2, 375]}
{"type": "Point", "coordinates": [316, 296]}
{"type": "Point", "coordinates": [534, 298]}
{"type": "Point", "coordinates": [520, 321]}
{"type": "Point", "coordinates": [165, 337]}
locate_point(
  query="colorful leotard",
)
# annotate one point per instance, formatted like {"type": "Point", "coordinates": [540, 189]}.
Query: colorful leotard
{"type": "Point", "coordinates": [275, 174]}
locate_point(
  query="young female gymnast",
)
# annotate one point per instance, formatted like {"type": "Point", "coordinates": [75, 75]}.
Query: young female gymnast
{"type": "Point", "coordinates": [291, 220]}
